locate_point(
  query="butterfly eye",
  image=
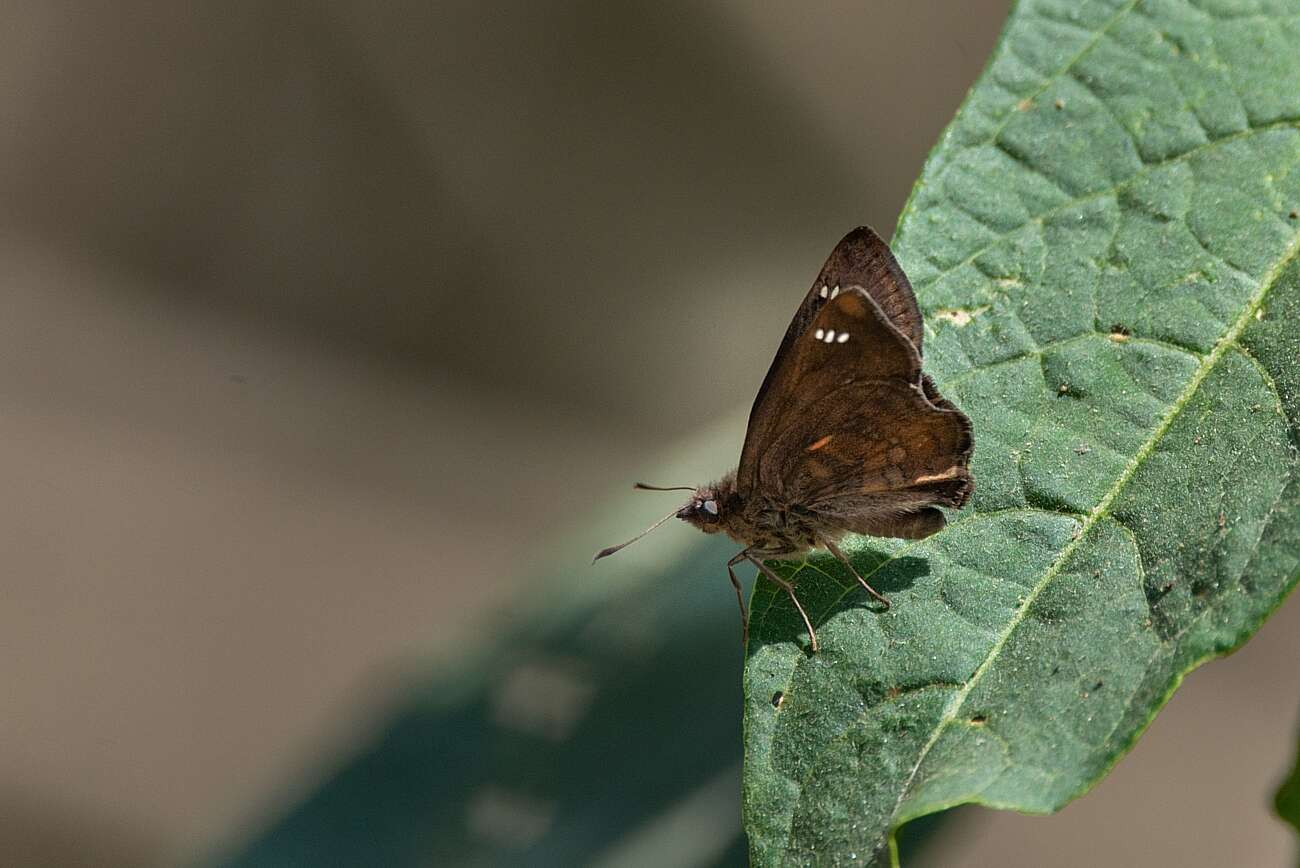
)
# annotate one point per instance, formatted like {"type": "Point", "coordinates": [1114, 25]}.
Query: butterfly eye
{"type": "Point", "coordinates": [711, 507]}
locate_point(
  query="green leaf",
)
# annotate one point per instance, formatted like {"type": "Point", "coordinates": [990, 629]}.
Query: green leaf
{"type": "Point", "coordinates": [1287, 802]}
{"type": "Point", "coordinates": [1105, 245]}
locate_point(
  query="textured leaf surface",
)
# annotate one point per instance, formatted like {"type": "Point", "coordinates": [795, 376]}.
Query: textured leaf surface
{"type": "Point", "coordinates": [1105, 246]}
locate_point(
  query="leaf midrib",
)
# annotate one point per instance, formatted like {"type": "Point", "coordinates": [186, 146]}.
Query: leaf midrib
{"type": "Point", "coordinates": [1102, 509]}
{"type": "Point", "coordinates": [1207, 363]}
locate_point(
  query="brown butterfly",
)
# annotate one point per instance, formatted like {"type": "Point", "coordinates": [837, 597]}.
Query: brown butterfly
{"type": "Point", "coordinates": [847, 435]}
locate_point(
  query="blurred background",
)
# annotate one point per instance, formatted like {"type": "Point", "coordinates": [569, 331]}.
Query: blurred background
{"type": "Point", "coordinates": [331, 336]}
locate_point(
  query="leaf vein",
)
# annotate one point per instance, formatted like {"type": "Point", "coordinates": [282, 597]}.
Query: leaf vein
{"type": "Point", "coordinates": [1148, 168]}
{"type": "Point", "coordinates": [1101, 510]}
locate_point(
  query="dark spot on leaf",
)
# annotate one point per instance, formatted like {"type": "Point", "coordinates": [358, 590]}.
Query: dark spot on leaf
{"type": "Point", "coordinates": [1096, 687]}
{"type": "Point", "coordinates": [1294, 214]}
{"type": "Point", "coordinates": [1056, 669]}
{"type": "Point", "coordinates": [978, 719]}
{"type": "Point", "coordinates": [1082, 449]}
{"type": "Point", "coordinates": [777, 699]}
{"type": "Point", "coordinates": [1059, 103]}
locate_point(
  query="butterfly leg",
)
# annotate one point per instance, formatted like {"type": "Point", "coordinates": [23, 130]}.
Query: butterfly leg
{"type": "Point", "coordinates": [740, 597]}
{"type": "Point", "coordinates": [789, 589]}
{"type": "Point", "coordinates": [835, 550]}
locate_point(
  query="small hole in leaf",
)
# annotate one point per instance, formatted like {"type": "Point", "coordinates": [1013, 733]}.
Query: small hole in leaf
{"type": "Point", "coordinates": [777, 699]}
{"type": "Point", "coordinates": [979, 720]}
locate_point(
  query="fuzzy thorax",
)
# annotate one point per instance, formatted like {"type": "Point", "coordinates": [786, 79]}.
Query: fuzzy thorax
{"type": "Point", "coordinates": [769, 529]}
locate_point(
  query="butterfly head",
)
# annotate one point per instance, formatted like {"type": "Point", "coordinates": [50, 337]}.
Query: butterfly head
{"type": "Point", "coordinates": [704, 509]}
{"type": "Point", "coordinates": [707, 509]}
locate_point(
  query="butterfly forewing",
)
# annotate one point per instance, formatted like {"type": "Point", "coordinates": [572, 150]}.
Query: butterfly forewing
{"type": "Point", "coordinates": [849, 339]}
{"type": "Point", "coordinates": [860, 259]}
{"type": "Point", "coordinates": [854, 429]}
{"type": "Point", "coordinates": [856, 433]}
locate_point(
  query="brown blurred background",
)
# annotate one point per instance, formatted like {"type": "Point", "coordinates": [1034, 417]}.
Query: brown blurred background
{"type": "Point", "coordinates": [300, 299]}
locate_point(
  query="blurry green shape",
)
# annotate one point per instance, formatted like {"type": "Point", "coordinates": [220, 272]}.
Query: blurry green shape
{"type": "Point", "coordinates": [560, 743]}
{"type": "Point", "coordinates": [1287, 801]}
{"type": "Point", "coordinates": [605, 732]}
{"type": "Point", "coordinates": [1105, 245]}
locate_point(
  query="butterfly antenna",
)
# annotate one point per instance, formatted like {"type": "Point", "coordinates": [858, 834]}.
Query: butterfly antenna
{"type": "Point", "coordinates": [604, 553]}
{"type": "Point", "coordinates": [641, 486]}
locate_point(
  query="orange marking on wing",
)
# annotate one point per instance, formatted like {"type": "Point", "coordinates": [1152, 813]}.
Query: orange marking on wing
{"type": "Point", "coordinates": [820, 443]}
{"type": "Point", "coordinates": [852, 305]}
{"type": "Point", "coordinates": [936, 477]}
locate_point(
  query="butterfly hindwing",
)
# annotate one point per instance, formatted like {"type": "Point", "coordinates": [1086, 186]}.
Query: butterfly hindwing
{"type": "Point", "coordinates": [861, 259]}
{"type": "Point", "coordinates": [869, 451]}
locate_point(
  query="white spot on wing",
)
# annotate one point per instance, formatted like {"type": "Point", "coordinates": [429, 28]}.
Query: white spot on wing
{"type": "Point", "coordinates": [711, 507]}
{"type": "Point", "coordinates": [824, 291]}
{"type": "Point", "coordinates": [819, 334]}
{"type": "Point", "coordinates": [830, 336]}
{"type": "Point", "coordinates": [835, 292]}
{"type": "Point", "coordinates": [844, 336]}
